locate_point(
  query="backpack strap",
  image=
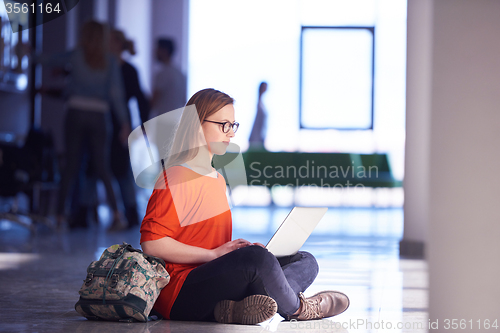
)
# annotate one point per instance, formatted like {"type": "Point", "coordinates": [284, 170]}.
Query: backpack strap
{"type": "Point", "coordinates": [111, 274]}
{"type": "Point", "coordinates": [150, 258]}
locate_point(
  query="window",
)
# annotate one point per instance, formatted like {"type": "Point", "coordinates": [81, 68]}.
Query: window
{"type": "Point", "coordinates": [336, 77]}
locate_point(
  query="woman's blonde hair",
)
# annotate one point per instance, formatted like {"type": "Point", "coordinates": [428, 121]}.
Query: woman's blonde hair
{"type": "Point", "coordinates": [186, 141]}
{"type": "Point", "coordinates": [93, 42]}
{"type": "Point", "coordinates": [126, 44]}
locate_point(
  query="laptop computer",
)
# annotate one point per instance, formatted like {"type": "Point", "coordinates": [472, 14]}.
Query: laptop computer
{"type": "Point", "coordinates": [294, 230]}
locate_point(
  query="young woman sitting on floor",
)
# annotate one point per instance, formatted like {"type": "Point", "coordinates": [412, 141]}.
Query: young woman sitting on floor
{"type": "Point", "coordinates": [188, 224]}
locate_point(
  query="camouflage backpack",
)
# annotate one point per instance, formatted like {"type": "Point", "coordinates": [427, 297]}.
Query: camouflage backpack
{"type": "Point", "coordinates": [122, 285]}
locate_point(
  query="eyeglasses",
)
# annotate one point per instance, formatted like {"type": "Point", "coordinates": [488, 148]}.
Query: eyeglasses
{"type": "Point", "coordinates": [226, 126]}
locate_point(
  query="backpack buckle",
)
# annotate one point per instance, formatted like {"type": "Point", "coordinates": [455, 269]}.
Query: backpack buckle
{"type": "Point", "coordinates": [88, 279]}
{"type": "Point", "coordinates": [114, 280]}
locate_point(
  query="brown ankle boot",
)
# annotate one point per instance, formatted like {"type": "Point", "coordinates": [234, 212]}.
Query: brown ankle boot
{"type": "Point", "coordinates": [322, 305]}
{"type": "Point", "coordinates": [251, 310]}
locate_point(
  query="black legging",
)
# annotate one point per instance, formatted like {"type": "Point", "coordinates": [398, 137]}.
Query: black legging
{"type": "Point", "coordinates": [247, 271]}
{"type": "Point", "coordinates": [95, 128]}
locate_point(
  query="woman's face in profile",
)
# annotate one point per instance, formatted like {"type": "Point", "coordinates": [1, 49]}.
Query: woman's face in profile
{"type": "Point", "coordinates": [216, 139]}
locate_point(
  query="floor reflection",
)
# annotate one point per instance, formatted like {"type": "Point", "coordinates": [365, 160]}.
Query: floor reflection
{"type": "Point", "coordinates": [357, 250]}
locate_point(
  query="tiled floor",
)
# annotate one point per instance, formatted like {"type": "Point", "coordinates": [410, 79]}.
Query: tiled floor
{"type": "Point", "coordinates": [357, 250]}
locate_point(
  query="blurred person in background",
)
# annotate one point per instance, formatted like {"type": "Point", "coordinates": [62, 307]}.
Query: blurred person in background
{"type": "Point", "coordinates": [169, 86]}
{"type": "Point", "coordinates": [120, 159]}
{"type": "Point", "coordinates": [95, 88]}
{"type": "Point", "coordinates": [258, 133]}
{"type": "Point", "coordinates": [169, 92]}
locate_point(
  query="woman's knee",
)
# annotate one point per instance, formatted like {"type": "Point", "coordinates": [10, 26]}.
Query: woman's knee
{"type": "Point", "coordinates": [257, 257]}
{"type": "Point", "coordinates": [310, 262]}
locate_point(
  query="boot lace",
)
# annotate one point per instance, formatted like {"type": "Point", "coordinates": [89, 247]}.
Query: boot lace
{"type": "Point", "coordinates": [310, 307]}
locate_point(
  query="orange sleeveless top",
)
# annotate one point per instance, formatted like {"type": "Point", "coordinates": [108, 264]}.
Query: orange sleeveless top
{"type": "Point", "coordinates": [192, 209]}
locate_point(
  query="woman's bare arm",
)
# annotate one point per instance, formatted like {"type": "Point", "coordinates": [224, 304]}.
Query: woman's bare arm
{"type": "Point", "coordinates": [174, 251]}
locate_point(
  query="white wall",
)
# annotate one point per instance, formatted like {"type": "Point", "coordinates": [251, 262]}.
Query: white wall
{"type": "Point", "coordinates": [101, 10]}
{"type": "Point", "coordinates": [170, 18]}
{"type": "Point", "coordinates": [464, 183]}
{"type": "Point", "coordinates": [418, 102]}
